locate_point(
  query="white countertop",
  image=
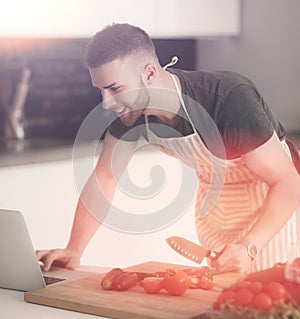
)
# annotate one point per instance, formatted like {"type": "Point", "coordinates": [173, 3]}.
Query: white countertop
{"type": "Point", "coordinates": [13, 306]}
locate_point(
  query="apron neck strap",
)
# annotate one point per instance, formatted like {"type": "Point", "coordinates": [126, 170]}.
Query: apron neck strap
{"type": "Point", "coordinates": [181, 100]}
{"type": "Point", "coordinates": [172, 62]}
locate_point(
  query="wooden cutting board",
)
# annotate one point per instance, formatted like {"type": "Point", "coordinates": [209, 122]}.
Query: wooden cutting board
{"type": "Point", "coordinates": [87, 296]}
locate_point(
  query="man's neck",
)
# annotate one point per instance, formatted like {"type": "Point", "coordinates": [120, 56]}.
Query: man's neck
{"type": "Point", "coordinates": [164, 99]}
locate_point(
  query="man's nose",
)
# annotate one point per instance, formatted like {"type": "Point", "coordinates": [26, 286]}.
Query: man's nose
{"type": "Point", "coordinates": [108, 100]}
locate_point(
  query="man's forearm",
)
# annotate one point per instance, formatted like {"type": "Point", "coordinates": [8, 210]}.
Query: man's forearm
{"type": "Point", "coordinates": [83, 229]}
{"type": "Point", "coordinates": [93, 206]}
{"type": "Point", "coordinates": [281, 201]}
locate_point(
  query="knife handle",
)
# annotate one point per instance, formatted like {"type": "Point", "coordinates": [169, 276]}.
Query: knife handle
{"type": "Point", "coordinates": [212, 254]}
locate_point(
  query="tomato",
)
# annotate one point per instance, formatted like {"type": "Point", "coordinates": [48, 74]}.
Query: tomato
{"type": "Point", "coordinates": [152, 285]}
{"type": "Point", "coordinates": [275, 290]}
{"type": "Point", "coordinates": [110, 278]}
{"type": "Point", "coordinates": [201, 282]}
{"type": "Point", "coordinates": [263, 301]}
{"type": "Point", "coordinates": [200, 272]}
{"type": "Point", "coordinates": [176, 283]}
{"type": "Point", "coordinates": [244, 297]}
{"type": "Point", "coordinates": [125, 281]}
{"type": "Point", "coordinates": [256, 287]}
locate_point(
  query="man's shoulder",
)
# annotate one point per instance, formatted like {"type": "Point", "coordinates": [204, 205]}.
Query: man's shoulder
{"type": "Point", "coordinates": [220, 81]}
{"type": "Point", "coordinates": [230, 77]}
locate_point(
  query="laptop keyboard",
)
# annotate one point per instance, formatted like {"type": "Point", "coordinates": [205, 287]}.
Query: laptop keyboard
{"type": "Point", "coordinates": [52, 280]}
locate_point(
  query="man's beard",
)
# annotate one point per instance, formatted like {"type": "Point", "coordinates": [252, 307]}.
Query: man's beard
{"type": "Point", "coordinates": [133, 112]}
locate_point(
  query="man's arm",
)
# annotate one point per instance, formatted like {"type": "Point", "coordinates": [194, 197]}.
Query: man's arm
{"type": "Point", "coordinates": [93, 204]}
{"type": "Point", "coordinates": [271, 163]}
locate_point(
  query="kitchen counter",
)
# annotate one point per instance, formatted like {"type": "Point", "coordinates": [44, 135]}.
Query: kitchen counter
{"type": "Point", "coordinates": [12, 305]}
{"type": "Point", "coordinates": [38, 150]}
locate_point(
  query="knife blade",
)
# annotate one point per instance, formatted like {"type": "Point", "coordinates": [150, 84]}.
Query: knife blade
{"type": "Point", "coordinates": [190, 250]}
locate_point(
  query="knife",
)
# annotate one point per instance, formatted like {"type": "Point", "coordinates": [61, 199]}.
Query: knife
{"type": "Point", "coordinates": [190, 250]}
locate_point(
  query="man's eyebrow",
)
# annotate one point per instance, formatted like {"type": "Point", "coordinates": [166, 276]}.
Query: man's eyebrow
{"type": "Point", "coordinates": [109, 86]}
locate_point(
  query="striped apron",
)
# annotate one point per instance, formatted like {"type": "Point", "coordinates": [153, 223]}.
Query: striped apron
{"type": "Point", "coordinates": [228, 215]}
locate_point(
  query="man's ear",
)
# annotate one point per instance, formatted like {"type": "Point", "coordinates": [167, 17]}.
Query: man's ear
{"type": "Point", "coordinates": [149, 74]}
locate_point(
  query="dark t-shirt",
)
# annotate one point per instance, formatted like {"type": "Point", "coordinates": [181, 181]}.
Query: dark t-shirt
{"type": "Point", "coordinates": [224, 107]}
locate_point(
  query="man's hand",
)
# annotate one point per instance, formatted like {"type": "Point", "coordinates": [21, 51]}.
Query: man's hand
{"type": "Point", "coordinates": [233, 258]}
{"type": "Point", "coordinates": [58, 257]}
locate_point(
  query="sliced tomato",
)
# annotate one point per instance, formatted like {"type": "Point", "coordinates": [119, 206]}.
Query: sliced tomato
{"type": "Point", "coordinates": [152, 285]}
{"type": "Point", "coordinates": [201, 282]}
{"type": "Point", "coordinates": [199, 272]}
{"type": "Point", "coordinates": [176, 283]}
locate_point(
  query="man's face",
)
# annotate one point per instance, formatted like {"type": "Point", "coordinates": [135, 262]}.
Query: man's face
{"type": "Point", "coordinates": [122, 89]}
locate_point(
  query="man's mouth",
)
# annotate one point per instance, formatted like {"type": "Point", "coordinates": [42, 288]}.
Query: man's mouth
{"type": "Point", "coordinates": [119, 111]}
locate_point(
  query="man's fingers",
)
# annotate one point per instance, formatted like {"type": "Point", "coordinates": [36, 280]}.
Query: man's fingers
{"type": "Point", "coordinates": [57, 257]}
{"type": "Point", "coordinates": [229, 264]}
{"type": "Point", "coordinates": [48, 257]}
{"type": "Point", "coordinates": [41, 253]}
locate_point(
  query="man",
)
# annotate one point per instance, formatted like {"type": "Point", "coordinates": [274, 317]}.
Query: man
{"type": "Point", "coordinates": [252, 221]}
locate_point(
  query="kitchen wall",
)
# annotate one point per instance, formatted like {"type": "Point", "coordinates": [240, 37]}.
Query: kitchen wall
{"type": "Point", "coordinates": [267, 51]}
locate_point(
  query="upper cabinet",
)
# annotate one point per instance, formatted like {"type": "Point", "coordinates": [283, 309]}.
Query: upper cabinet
{"type": "Point", "coordinates": [81, 18]}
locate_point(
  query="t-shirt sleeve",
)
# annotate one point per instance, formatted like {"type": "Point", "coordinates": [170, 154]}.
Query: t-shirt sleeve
{"type": "Point", "coordinates": [127, 133]}
{"type": "Point", "coordinates": [243, 121]}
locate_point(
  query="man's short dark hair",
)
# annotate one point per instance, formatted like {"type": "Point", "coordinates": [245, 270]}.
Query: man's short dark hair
{"type": "Point", "coordinates": [117, 41]}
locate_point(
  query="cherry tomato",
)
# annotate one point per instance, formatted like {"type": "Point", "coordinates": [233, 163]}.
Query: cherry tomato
{"type": "Point", "coordinates": [125, 281]}
{"type": "Point", "coordinates": [244, 297]}
{"type": "Point", "coordinates": [202, 282]}
{"type": "Point", "coordinates": [152, 285]}
{"type": "Point", "coordinates": [275, 290]}
{"type": "Point", "coordinates": [176, 283]}
{"type": "Point", "coordinates": [256, 287]}
{"type": "Point", "coordinates": [263, 301]}
{"type": "Point", "coordinates": [110, 277]}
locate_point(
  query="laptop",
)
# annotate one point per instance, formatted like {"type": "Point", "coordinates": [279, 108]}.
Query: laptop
{"type": "Point", "coordinates": [19, 267]}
